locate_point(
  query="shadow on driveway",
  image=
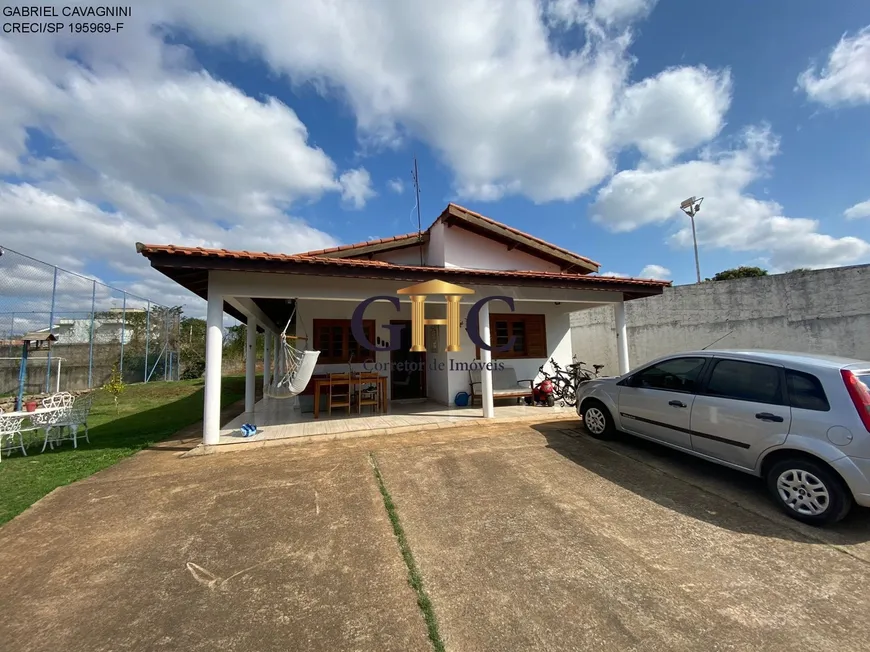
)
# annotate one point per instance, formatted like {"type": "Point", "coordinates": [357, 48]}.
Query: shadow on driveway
{"type": "Point", "coordinates": [761, 516]}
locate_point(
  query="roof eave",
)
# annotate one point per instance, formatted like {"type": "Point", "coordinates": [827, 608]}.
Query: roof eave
{"type": "Point", "coordinates": [203, 261]}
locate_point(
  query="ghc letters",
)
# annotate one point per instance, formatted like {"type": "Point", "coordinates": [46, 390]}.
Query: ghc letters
{"type": "Point", "coordinates": [472, 325]}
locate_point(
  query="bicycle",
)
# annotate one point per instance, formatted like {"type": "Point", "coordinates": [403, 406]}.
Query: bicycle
{"type": "Point", "coordinates": [566, 381]}
{"type": "Point", "coordinates": [590, 374]}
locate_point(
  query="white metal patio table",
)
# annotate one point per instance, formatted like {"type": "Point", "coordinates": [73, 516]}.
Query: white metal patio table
{"type": "Point", "coordinates": [42, 413]}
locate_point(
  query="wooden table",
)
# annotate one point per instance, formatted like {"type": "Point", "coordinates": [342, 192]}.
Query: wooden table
{"type": "Point", "coordinates": [354, 380]}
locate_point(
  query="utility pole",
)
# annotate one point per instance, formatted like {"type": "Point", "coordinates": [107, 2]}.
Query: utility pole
{"type": "Point", "coordinates": [691, 207]}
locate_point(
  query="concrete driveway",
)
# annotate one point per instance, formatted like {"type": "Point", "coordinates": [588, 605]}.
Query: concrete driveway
{"type": "Point", "coordinates": [527, 538]}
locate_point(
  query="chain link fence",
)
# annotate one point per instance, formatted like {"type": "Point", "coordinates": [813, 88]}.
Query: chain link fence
{"type": "Point", "coordinates": [97, 327]}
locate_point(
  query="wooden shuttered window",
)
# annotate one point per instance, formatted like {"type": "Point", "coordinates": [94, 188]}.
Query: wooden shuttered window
{"type": "Point", "coordinates": [529, 331]}
{"type": "Point", "coordinates": [336, 343]}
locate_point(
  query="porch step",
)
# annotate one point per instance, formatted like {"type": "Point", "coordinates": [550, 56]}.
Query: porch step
{"type": "Point", "coordinates": [538, 416]}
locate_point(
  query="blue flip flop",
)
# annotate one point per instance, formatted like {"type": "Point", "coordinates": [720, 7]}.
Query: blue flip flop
{"type": "Point", "coordinates": [248, 430]}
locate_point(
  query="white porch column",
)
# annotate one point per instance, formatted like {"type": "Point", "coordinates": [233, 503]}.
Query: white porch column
{"type": "Point", "coordinates": [621, 338]}
{"type": "Point", "coordinates": [267, 359]}
{"type": "Point", "coordinates": [486, 399]}
{"type": "Point", "coordinates": [214, 344]}
{"type": "Point", "coordinates": [251, 365]}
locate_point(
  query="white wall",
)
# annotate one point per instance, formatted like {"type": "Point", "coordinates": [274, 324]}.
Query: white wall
{"type": "Point", "coordinates": [557, 321]}
{"type": "Point", "coordinates": [456, 247]}
{"type": "Point", "coordinates": [471, 251]}
{"type": "Point", "coordinates": [824, 311]}
{"type": "Point", "coordinates": [308, 310]}
{"type": "Point", "coordinates": [435, 247]}
{"type": "Point", "coordinates": [442, 384]}
{"type": "Point", "coordinates": [407, 256]}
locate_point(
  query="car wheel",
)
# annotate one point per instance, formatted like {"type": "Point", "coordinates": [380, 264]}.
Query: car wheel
{"type": "Point", "coordinates": [808, 492]}
{"type": "Point", "coordinates": [597, 420]}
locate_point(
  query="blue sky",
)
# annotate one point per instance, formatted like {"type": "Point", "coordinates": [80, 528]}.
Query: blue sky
{"type": "Point", "coordinates": [584, 124]}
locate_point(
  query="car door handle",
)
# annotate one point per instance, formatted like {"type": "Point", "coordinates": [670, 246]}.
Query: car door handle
{"type": "Point", "coordinates": [767, 416]}
{"type": "Point", "coordinates": [677, 403]}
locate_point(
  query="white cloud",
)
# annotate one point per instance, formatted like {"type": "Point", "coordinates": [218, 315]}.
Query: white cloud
{"type": "Point", "coordinates": [156, 150]}
{"type": "Point", "coordinates": [356, 187]}
{"type": "Point", "coordinates": [730, 217]}
{"type": "Point", "coordinates": [191, 135]}
{"type": "Point", "coordinates": [148, 150]}
{"type": "Point", "coordinates": [566, 13]}
{"type": "Point", "coordinates": [845, 77]}
{"type": "Point", "coordinates": [656, 272]}
{"type": "Point", "coordinates": [675, 111]}
{"type": "Point", "coordinates": [482, 83]}
{"type": "Point", "coordinates": [76, 231]}
{"type": "Point", "coordinates": [858, 210]}
{"type": "Point", "coordinates": [396, 185]}
{"type": "Point", "coordinates": [621, 11]}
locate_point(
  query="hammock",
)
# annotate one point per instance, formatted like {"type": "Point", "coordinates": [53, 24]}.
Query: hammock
{"type": "Point", "coordinates": [293, 369]}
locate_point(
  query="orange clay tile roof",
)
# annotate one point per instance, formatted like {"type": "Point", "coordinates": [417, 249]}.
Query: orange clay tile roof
{"type": "Point", "coordinates": [398, 239]}
{"type": "Point", "coordinates": [201, 252]}
{"type": "Point", "coordinates": [454, 210]}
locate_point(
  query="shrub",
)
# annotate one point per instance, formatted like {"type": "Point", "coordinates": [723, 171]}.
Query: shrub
{"type": "Point", "coordinates": [115, 386]}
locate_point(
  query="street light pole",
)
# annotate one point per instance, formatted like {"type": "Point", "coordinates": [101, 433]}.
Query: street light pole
{"type": "Point", "coordinates": [690, 207]}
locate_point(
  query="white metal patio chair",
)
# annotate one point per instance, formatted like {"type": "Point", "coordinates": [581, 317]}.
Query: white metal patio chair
{"type": "Point", "coordinates": [10, 426]}
{"type": "Point", "coordinates": [76, 416]}
{"type": "Point", "coordinates": [59, 406]}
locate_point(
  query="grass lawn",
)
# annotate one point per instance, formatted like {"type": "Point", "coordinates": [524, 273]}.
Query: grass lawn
{"type": "Point", "coordinates": [147, 413]}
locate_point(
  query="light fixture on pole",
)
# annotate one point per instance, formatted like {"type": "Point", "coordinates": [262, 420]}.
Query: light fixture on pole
{"type": "Point", "coordinates": [691, 207]}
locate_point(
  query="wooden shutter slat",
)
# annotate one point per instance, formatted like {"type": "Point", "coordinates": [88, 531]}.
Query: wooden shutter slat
{"type": "Point", "coordinates": [536, 336]}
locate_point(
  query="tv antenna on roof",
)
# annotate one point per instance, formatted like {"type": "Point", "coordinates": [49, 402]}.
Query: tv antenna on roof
{"type": "Point", "coordinates": [415, 176]}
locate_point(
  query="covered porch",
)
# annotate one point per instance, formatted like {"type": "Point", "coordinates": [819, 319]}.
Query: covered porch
{"type": "Point", "coordinates": [262, 291]}
{"type": "Point", "coordinates": [281, 419]}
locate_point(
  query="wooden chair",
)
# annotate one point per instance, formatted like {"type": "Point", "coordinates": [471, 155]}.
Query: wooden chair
{"type": "Point", "coordinates": [340, 392]}
{"type": "Point", "coordinates": [369, 391]}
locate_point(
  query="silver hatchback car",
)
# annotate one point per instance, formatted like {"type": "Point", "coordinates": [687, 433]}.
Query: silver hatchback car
{"type": "Point", "coordinates": [800, 421]}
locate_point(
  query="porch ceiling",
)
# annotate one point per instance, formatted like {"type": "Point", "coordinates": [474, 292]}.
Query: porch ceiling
{"type": "Point", "coordinates": [278, 310]}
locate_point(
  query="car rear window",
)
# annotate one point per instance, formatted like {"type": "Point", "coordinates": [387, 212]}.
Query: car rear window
{"type": "Point", "coordinates": [745, 381]}
{"type": "Point", "coordinates": [805, 391]}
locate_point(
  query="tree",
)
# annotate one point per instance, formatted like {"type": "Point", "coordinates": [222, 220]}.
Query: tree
{"type": "Point", "coordinates": [740, 272]}
{"type": "Point", "coordinates": [159, 327]}
{"type": "Point", "coordinates": [236, 342]}
{"type": "Point", "coordinates": [192, 347]}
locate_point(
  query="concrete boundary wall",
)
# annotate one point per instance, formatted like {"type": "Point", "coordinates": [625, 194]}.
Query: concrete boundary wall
{"type": "Point", "coordinates": [821, 311]}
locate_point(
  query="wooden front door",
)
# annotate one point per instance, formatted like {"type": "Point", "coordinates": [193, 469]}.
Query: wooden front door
{"type": "Point", "coordinates": [407, 370]}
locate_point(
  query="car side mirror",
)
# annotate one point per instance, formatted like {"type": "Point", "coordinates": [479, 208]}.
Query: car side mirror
{"type": "Point", "coordinates": [628, 381]}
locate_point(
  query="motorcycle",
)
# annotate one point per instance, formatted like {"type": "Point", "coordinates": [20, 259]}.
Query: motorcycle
{"type": "Point", "coordinates": [542, 394]}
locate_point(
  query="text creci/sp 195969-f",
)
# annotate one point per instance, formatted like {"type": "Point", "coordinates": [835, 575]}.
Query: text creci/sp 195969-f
{"type": "Point", "coordinates": [85, 19]}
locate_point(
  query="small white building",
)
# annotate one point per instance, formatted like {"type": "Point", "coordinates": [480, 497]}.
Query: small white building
{"type": "Point", "coordinates": [477, 256]}
{"type": "Point", "coordinates": [113, 326]}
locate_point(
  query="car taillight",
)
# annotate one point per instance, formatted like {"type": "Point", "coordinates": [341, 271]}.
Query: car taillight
{"type": "Point", "coordinates": [859, 394]}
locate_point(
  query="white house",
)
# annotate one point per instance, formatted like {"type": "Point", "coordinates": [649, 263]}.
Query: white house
{"type": "Point", "coordinates": [478, 256]}
{"type": "Point", "coordinates": [113, 327]}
